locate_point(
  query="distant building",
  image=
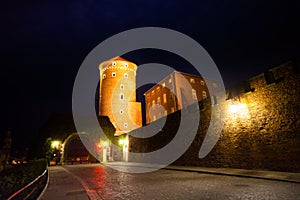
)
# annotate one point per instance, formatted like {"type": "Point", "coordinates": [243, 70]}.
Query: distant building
{"type": "Point", "coordinates": [173, 93]}
{"type": "Point", "coordinates": [117, 96]}
{"type": "Point", "coordinates": [5, 147]}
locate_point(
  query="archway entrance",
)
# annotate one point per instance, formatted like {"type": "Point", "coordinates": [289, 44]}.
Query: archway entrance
{"type": "Point", "coordinates": [74, 152]}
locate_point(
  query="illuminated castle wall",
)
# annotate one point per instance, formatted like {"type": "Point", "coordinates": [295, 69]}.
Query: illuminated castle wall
{"type": "Point", "coordinates": [118, 94]}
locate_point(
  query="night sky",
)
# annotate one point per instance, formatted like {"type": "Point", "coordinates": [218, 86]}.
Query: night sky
{"type": "Point", "coordinates": [43, 44]}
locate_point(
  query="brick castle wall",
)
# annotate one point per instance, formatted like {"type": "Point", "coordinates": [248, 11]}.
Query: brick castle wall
{"type": "Point", "coordinates": [261, 125]}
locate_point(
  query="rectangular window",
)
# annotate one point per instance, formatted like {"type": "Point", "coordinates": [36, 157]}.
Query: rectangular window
{"type": "Point", "coordinates": [172, 110]}
{"type": "Point", "coordinates": [152, 92]}
{"type": "Point", "coordinates": [192, 80]}
{"type": "Point", "coordinates": [201, 82]}
{"type": "Point", "coordinates": [204, 95]}
{"type": "Point", "coordinates": [194, 94]}
{"type": "Point", "coordinates": [121, 96]}
{"type": "Point", "coordinates": [158, 100]}
{"type": "Point", "coordinates": [170, 80]}
{"type": "Point", "coordinates": [165, 98]}
{"type": "Point", "coordinates": [158, 89]}
{"type": "Point", "coordinates": [164, 84]}
{"type": "Point", "coordinates": [153, 102]}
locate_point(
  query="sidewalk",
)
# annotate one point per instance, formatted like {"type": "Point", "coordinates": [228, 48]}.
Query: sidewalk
{"type": "Point", "coordinates": [63, 185]}
{"type": "Point", "coordinates": [259, 174]}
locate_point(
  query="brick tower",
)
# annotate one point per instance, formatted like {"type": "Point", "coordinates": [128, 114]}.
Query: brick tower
{"type": "Point", "coordinates": [118, 94]}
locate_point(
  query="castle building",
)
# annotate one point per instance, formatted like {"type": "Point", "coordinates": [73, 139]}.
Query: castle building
{"type": "Point", "coordinates": [118, 94]}
{"type": "Point", "coordinates": [174, 92]}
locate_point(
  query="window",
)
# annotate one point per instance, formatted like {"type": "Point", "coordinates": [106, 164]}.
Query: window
{"type": "Point", "coordinates": [154, 117]}
{"type": "Point", "coordinates": [121, 112]}
{"type": "Point", "coordinates": [121, 96]}
{"type": "Point", "coordinates": [125, 75]}
{"type": "Point", "coordinates": [125, 125]}
{"type": "Point", "coordinates": [201, 82]}
{"type": "Point", "coordinates": [126, 65]}
{"type": "Point", "coordinates": [165, 98]}
{"type": "Point", "coordinates": [114, 63]}
{"type": "Point", "coordinates": [164, 84]}
{"type": "Point", "coordinates": [104, 76]}
{"type": "Point", "coordinates": [158, 89]}
{"type": "Point", "coordinates": [194, 94]}
{"type": "Point", "coordinates": [171, 96]}
{"type": "Point", "coordinates": [172, 110]}
{"type": "Point", "coordinates": [153, 102]}
{"type": "Point", "coordinates": [122, 86]}
{"type": "Point", "coordinates": [170, 80]}
{"type": "Point", "coordinates": [148, 95]}
{"type": "Point", "coordinates": [114, 74]}
{"type": "Point", "coordinates": [158, 100]}
{"type": "Point", "coordinates": [192, 80]}
{"type": "Point", "coordinates": [166, 112]}
{"type": "Point", "coordinates": [204, 94]}
{"type": "Point", "coordinates": [152, 92]}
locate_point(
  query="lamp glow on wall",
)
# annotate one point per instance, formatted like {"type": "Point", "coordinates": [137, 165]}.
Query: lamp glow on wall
{"type": "Point", "coordinates": [238, 109]}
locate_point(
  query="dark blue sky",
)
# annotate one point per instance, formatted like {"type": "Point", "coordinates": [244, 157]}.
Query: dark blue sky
{"type": "Point", "coordinates": [44, 42]}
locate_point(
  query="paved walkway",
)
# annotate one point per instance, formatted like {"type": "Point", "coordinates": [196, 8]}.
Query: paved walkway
{"type": "Point", "coordinates": [64, 185]}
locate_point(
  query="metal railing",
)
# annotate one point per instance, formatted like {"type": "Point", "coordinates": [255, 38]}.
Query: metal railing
{"type": "Point", "coordinates": [31, 192]}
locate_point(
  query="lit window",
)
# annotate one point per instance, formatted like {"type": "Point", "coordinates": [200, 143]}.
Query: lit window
{"type": "Point", "coordinates": [170, 80]}
{"type": "Point", "coordinates": [202, 82]}
{"type": "Point", "coordinates": [172, 110]}
{"type": "Point", "coordinates": [126, 65]}
{"type": "Point", "coordinates": [125, 125]}
{"type": "Point", "coordinates": [204, 94]}
{"type": "Point", "coordinates": [154, 117]}
{"type": "Point", "coordinates": [165, 98]}
{"type": "Point", "coordinates": [158, 89]}
{"type": "Point", "coordinates": [121, 96]}
{"type": "Point", "coordinates": [158, 100]}
{"type": "Point", "coordinates": [194, 94]}
{"type": "Point", "coordinates": [153, 102]}
{"type": "Point", "coordinates": [152, 92]}
{"type": "Point", "coordinates": [164, 84]}
{"type": "Point", "coordinates": [166, 112]}
{"type": "Point", "coordinates": [114, 63]}
{"type": "Point", "coordinates": [122, 86]}
{"type": "Point", "coordinates": [192, 80]}
{"type": "Point", "coordinates": [121, 112]}
{"type": "Point", "coordinates": [104, 76]}
{"type": "Point", "coordinates": [125, 75]}
{"type": "Point", "coordinates": [114, 74]}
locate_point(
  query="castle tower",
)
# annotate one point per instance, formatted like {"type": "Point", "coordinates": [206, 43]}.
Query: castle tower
{"type": "Point", "coordinates": [118, 94]}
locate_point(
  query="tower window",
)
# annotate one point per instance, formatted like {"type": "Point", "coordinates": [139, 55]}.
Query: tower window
{"type": "Point", "coordinates": [126, 65]}
{"type": "Point", "coordinates": [121, 112]}
{"type": "Point", "coordinates": [125, 125]}
{"type": "Point", "coordinates": [122, 86]}
{"type": "Point", "coordinates": [165, 98]}
{"type": "Point", "coordinates": [158, 100]}
{"type": "Point", "coordinates": [114, 63]}
{"type": "Point", "coordinates": [104, 76]}
{"type": "Point", "coordinates": [194, 94]}
{"type": "Point", "coordinates": [204, 94]}
{"type": "Point", "coordinates": [153, 102]}
{"type": "Point", "coordinates": [121, 96]}
{"type": "Point", "coordinates": [114, 74]}
{"type": "Point", "coordinates": [164, 84]}
{"type": "Point", "coordinates": [125, 75]}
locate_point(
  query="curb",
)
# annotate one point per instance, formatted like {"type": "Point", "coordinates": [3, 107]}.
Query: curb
{"type": "Point", "coordinates": [232, 174]}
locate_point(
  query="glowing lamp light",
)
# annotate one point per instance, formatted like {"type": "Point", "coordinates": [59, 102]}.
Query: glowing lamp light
{"type": "Point", "coordinates": [121, 142]}
{"type": "Point", "coordinates": [234, 108]}
{"type": "Point", "coordinates": [55, 144]}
